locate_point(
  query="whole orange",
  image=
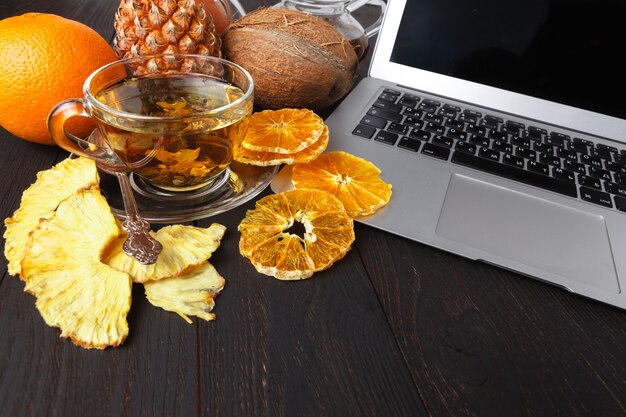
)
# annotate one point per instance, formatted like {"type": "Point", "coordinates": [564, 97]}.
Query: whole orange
{"type": "Point", "coordinates": [44, 59]}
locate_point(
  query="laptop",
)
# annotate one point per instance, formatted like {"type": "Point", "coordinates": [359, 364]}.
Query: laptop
{"type": "Point", "coordinates": [502, 128]}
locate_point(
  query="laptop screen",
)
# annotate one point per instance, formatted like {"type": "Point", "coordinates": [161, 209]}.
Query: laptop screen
{"type": "Point", "coordinates": [564, 51]}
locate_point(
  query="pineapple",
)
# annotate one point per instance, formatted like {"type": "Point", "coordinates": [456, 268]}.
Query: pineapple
{"type": "Point", "coordinates": [183, 248]}
{"type": "Point", "coordinates": [41, 199]}
{"type": "Point", "coordinates": [86, 299]}
{"type": "Point", "coordinates": [190, 294]}
{"type": "Point", "coordinates": [149, 27]}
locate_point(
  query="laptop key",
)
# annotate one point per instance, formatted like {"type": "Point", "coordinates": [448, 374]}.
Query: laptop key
{"type": "Point", "coordinates": [620, 203]}
{"type": "Point", "coordinates": [487, 123]}
{"type": "Point", "coordinates": [536, 129]}
{"type": "Point", "coordinates": [526, 153]}
{"type": "Point", "coordinates": [514, 173]}
{"type": "Point", "coordinates": [455, 124]}
{"type": "Point", "coordinates": [398, 128]}
{"type": "Point", "coordinates": [446, 113]}
{"type": "Point", "coordinates": [564, 174]}
{"type": "Point", "coordinates": [466, 147]}
{"type": "Point", "coordinates": [388, 97]}
{"type": "Point", "coordinates": [489, 154]}
{"type": "Point", "coordinates": [412, 112]}
{"type": "Point", "coordinates": [520, 141]}
{"type": "Point", "coordinates": [435, 151]}
{"type": "Point", "coordinates": [501, 136]}
{"type": "Point", "coordinates": [468, 119]}
{"type": "Point", "coordinates": [420, 135]}
{"type": "Point", "coordinates": [434, 128]}
{"type": "Point", "coordinates": [600, 173]}
{"type": "Point", "coordinates": [382, 104]}
{"type": "Point", "coordinates": [414, 122]}
{"type": "Point", "coordinates": [620, 178]}
{"type": "Point", "coordinates": [474, 129]}
{"type": "Point", "coordinates": [500, 146]}
{"type": "Point", "coordinates": [391, 91]}
{"type": "Point", "coordinates": [511, 129]}
{"type": "Point", "coordinates": [539, 167]}
{"type": "Point", "coordinates": [408, 102]}
{"type": "Point", "coordinates": [595, 196]}
{"type": "Point", "coordinates": [591, 160]}
{"type": "Point", "coordinates": [575, 166]}
{"type": "Point", "coordinates": [616, 167]}
{"type": "Point", "coordinates": [443, 141]}
{"type": "Point", "coordinates": [480, 141]}
{"type": "Point", "coordinates": [544, 148]}
{"type": "Point", "coordinates": [615, 188]}
{"type": "Point", "coordinates": [430, 117]}
{"type": "Point", "coordinates": [590, 182]}
{"type": "Point", "coordinates": [451, 108]}
{"type": "Point", "coordinates": [532, 134]}
{"type": "Point", "coordinates": [377, 122]}
{"type": "Point", "coordinates": [515, 161]}
{"type": "Point", "coordinates": [364, 131]}
{"type": "Point", "coordinates": [567, 154]}
{"type": "Point", "coordinates": [427, 107]}
{"type": "Point", "coordinates": [456, 134]}
{"type": "Point", "coordinates": [409, 144]}
{"type": "Point", "coordinates": [550, 159]}
{"type": "Point", "coordinates": [610, 148]}
{"type": "Point", "coordinates": [386, 137]}
{"type": "Point", "coordinates": [385, 114]}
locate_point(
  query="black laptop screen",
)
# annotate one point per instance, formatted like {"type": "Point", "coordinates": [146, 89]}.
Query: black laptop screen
{"type": "Point", "coordinates": [559, 50]}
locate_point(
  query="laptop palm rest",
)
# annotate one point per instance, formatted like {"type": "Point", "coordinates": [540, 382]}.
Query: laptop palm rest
{"type": "Point", "coordinates": [529, 231]}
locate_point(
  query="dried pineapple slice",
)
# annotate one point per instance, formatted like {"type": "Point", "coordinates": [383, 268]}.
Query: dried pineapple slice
{"type": "Point", "coordinates": [41, 199]}
{"type": "Point", "coordinates": [87, 300]}
{"type": "Point", "coordinates": [190, 294]}
{"type": "Point", "coordinates": [183, 248]}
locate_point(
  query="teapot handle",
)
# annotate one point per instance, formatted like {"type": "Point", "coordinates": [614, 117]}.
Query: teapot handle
{"type": "Point", "coordinates": [372, 29]}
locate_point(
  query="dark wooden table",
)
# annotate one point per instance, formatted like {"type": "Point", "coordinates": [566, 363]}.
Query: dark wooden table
{"type": "Point", "coordinates": [394, 329]}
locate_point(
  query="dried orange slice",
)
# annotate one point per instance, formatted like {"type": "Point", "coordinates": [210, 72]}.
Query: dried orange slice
{"type": "Point", "coordinates": [248, 156]}
{"type": "Point", "coordinates": [267, 238]}
{"type": "Point", "coordinates": [284, 131]}
{"type": "Point", "coordinates": [353, 180]}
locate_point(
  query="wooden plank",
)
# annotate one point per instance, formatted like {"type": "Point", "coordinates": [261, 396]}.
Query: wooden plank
{"type": "Point", "coordinates": [318, 347]}
{"type": "Point", "coordinates": [154, 373]}
{"type": "Point", "coordinates": [483, 341]}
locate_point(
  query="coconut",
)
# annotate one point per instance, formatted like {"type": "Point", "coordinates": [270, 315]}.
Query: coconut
{"type": "Point", "coordinates": [296, 60]}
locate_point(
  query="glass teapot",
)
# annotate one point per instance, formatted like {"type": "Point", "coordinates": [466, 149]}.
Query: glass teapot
{"type": "Point", "coordinates": [339, 14]}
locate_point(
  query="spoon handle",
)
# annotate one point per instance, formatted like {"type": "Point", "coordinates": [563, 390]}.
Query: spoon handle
{"type": "Point", "coordinates": [139, 244]}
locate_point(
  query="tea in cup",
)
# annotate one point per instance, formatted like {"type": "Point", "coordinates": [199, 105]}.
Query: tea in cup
{"type": "Point", "coordinates": [173, 120]}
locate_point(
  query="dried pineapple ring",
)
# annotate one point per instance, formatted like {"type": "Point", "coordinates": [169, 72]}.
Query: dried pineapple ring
{"type": "Point", "coordinates": [308, 154]}
{"type": "Point", "coordinates": [41, 199]}
{"type": "Point", "coordinates": [190, 294]}
{"type": "Point", "coordinates": [266, 241]}
{"type": "Point", "coordinates": [183, 248]}
{"type": "Point", "coordinates": [353, 180]}
{"type": "Point", "coordinates": [86, 299]}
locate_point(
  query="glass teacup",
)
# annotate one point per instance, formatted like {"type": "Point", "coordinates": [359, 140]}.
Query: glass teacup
{"type": "Point", "coordinates": [173, 120]}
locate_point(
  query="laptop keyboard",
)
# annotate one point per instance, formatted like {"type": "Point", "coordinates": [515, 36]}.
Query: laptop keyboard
{"type": "Point", "coordinates": [552, 160]}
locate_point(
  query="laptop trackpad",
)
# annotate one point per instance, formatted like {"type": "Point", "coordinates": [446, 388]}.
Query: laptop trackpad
{"type": "Point", "coordinates": [528, 230]}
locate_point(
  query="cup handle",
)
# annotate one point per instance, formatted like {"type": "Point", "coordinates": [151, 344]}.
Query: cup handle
{"type": "Point", "coordinates": [372, 29]}
{"type": "Point", "coordinates": [99, 152]}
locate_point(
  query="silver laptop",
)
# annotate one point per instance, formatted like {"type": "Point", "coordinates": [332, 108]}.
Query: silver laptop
{"type": "Point", "coordinates": [502, 128]}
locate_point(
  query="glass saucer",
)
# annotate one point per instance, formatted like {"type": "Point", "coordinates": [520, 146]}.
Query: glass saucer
{"type": "Point", "coordinates": [239, 185]}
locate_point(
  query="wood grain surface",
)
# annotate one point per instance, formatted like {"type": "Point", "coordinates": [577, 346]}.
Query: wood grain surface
{"type": "Point", "coordinates": [396, 328]}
